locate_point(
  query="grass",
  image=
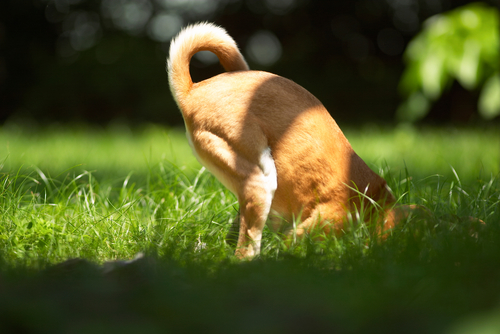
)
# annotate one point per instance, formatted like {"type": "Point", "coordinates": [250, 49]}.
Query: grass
{"type": "Point", "coordinates": [106, 152]}
{"type": "Point", "coordinates": [107, 194]}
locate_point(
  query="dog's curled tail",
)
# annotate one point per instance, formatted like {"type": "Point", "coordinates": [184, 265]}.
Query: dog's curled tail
{"type": "Point", "coordinates": [195, 38]}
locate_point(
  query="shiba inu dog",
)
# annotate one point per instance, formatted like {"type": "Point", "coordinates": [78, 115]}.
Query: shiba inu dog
{"type": "Point", "coordinates": [273, 144]}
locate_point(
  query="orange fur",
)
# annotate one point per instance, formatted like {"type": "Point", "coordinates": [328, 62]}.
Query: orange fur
{"type": "Point", "coordinates": [269, 141]}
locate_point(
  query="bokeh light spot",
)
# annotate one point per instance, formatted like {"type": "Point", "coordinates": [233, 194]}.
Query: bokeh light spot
{"type": "Point", "coordinates": [164, 26]}
{"type": "Point", "coordinates": [264, 48]}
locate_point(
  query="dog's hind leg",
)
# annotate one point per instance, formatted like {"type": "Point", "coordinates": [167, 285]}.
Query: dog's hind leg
{"type": "Point", "coordinates": [255, 200]}
{"type": "Point", "coordinates": [251, 176]}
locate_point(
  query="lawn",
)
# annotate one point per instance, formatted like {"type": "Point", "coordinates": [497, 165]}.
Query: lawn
{"type": "Point", "coordinates": [73, 199]}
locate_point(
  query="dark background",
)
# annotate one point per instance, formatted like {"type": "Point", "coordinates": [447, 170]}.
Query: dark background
{"type": "Point", "coordinates": [80, 61]}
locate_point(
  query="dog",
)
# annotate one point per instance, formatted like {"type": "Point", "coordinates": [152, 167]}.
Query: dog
{"type": "Point", "coordinates": [273, 145]}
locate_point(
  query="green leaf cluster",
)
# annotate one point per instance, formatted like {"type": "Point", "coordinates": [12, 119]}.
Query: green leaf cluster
{"type": "Point", "coordinates": [463, 45]}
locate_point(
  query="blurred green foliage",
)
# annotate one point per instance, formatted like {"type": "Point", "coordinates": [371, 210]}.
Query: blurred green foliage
{"type": "Point", "coordinates": [463, 45]}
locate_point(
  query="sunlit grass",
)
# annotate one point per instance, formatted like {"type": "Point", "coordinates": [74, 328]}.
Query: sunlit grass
{"type": "Point", "coordinates": [108, 152]}
{"type": "Point", "coordinates": [110, 193]}
{"type": "Point", "coordinates": [118, 150]}
{"type": "Point", "coordinates": [472, 153]}
{"type": "Point", "coordinates": [49, 220]}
